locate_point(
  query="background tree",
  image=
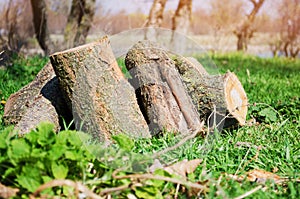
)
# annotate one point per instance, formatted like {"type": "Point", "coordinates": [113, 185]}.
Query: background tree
{"type": "Point", "coordinates": [15, 28]}
{"type": "Point", "coordinates": [155, 18]}
{"type": "Point", "coordinates": [223, 17]}
{"type": "Point", "coordinates": [57, 13]}
{"type": "Point", "coordinates": [289, 18]}
{"type": "Point", "coordinates": [40, 19]}
{"type": "Point", "coordinates": [244, 31]}
{"type": "Point", "coordinates": [182, 18]}
{"type": "Point", "coordinates": [181, 22]}
{"type": "Point", "coordinates": [216, 22]}
{"type": "Point", "coordinates": [79, 22]}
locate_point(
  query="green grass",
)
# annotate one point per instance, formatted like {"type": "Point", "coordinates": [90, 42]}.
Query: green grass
{"type": "Point", "coordinates": [273, 90]}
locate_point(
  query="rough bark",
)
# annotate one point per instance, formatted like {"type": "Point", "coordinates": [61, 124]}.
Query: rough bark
{"type": "Point", "coordinates": [102, 100]}
{"type": "Point", "coordinates": [155, 18]}
{"type": "Point", "coordinates": [40, 100]}
{"type": "Point", "coordinates": [162, 96]}
{"type": "Point", "coordinates": [244, 31]}
{"type": "Point", "coordinates": [39, 110]}
{"type": "Point", "coordinates": [79, 22]}
{"type": "Point", "coordinates": [223, 94]}
{"type": "Point", "coordinates": [181, 23]}
{"type": "Point", "coordinates": [41, 26]}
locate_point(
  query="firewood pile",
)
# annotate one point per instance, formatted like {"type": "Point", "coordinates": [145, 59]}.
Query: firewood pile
{"type": "Point", "coordinates": [165, 92]}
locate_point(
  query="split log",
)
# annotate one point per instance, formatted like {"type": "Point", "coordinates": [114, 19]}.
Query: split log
{"type": "Point", "coordinates": [102, 100]}
{"type": "Point", "coordinates": [162, 96]}
{"type": "Point", "coordinates": [221, 93]}
{"type": "Point", "coordinates": [39, 101]}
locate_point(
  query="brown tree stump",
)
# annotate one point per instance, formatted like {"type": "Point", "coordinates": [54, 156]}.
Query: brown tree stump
{"type": "Point", "coordinates": [102, 100]}
{"type": "Point", "coordinates": [161, 93]}
{"type": "Point", "coordinates": [221, 93]}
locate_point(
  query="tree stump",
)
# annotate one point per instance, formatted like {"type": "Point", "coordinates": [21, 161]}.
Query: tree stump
{"type": "Point", "coordinates": [221, 93]}
{"type": "Point", "coordinates": [102, 100]}
{"type": "Point", "coordinates": [162, 96]}
{"type": "Point", "coordinates": [38, 101]}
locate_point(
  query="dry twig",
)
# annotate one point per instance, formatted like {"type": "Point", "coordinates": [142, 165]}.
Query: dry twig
{"type": "Point", "coordinates": [76, 185]}
{"type": "Point", "coordinates": [114, 189]}
{"type": "Point", "coordinates": [158, 177]}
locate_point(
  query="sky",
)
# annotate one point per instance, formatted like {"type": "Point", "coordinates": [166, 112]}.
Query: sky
{"type": "Point", "coordinates": [114, 6]}
{"type": "Point", "coordinates": [144, 5]}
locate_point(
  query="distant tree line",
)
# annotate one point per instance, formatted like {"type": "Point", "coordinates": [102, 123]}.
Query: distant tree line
{"type": "Point", "coordinates": [64, 24]}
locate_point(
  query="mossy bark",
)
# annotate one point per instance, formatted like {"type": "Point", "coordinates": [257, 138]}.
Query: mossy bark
{"type": "Point", "coordinates": [220, 99]}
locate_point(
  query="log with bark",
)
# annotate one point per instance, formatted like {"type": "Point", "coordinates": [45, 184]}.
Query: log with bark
{"type": "Point", "coordinates": [102, 100]}
{"type": "Point", "coordinates": [177, 95]}
{"type": "Point", "coordinates": [220, 99]}
{"type": "Point", "coordinates": [162, 96]}
{"type": "Point", "coordinates": [40, 100]}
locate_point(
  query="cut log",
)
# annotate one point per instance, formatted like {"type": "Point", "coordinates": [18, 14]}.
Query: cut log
{"type": "Point", "coordinates": [221, 93]}
{"type": "Point", "coordinates": [102, 100]}
{"type": "Point", "coordinates": [40, 110]}
{"type": "Point", "coordinates": [161, 93]}
{"type": "Point", "coordinates": [40, 100]}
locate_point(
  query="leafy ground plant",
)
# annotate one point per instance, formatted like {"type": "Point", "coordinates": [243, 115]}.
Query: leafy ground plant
{"type": "Point", "coordinates": [42, 156]}
{"type": "Point", "coordinates": [259, 160]}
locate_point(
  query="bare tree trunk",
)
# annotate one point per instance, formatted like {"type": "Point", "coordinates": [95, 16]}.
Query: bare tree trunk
{"type": "Point", "coordinates": [244, 31]}
{"type": "Point", "coordinates": [40, 25]}
{"type": "Point", "coordinates": [181, 23]}
{"type": "Point", "coordinates": [79, 22]}
{"type": "Point", "coordinates": [290, 33]}
{"type": "Point", "coordinates": [182, 16]}
{"type": "Point", "coordinates": [155, 18]}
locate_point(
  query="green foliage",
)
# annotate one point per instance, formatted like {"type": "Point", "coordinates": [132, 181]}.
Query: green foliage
{"type": "Point", "coordinates": [269, 114]}
{"type": "Point", "coordinates": [124, 142]}
{"type": "Point", "coordinates": [121, 63]}
{"type": "Point", "coordinates": [40, 156]}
